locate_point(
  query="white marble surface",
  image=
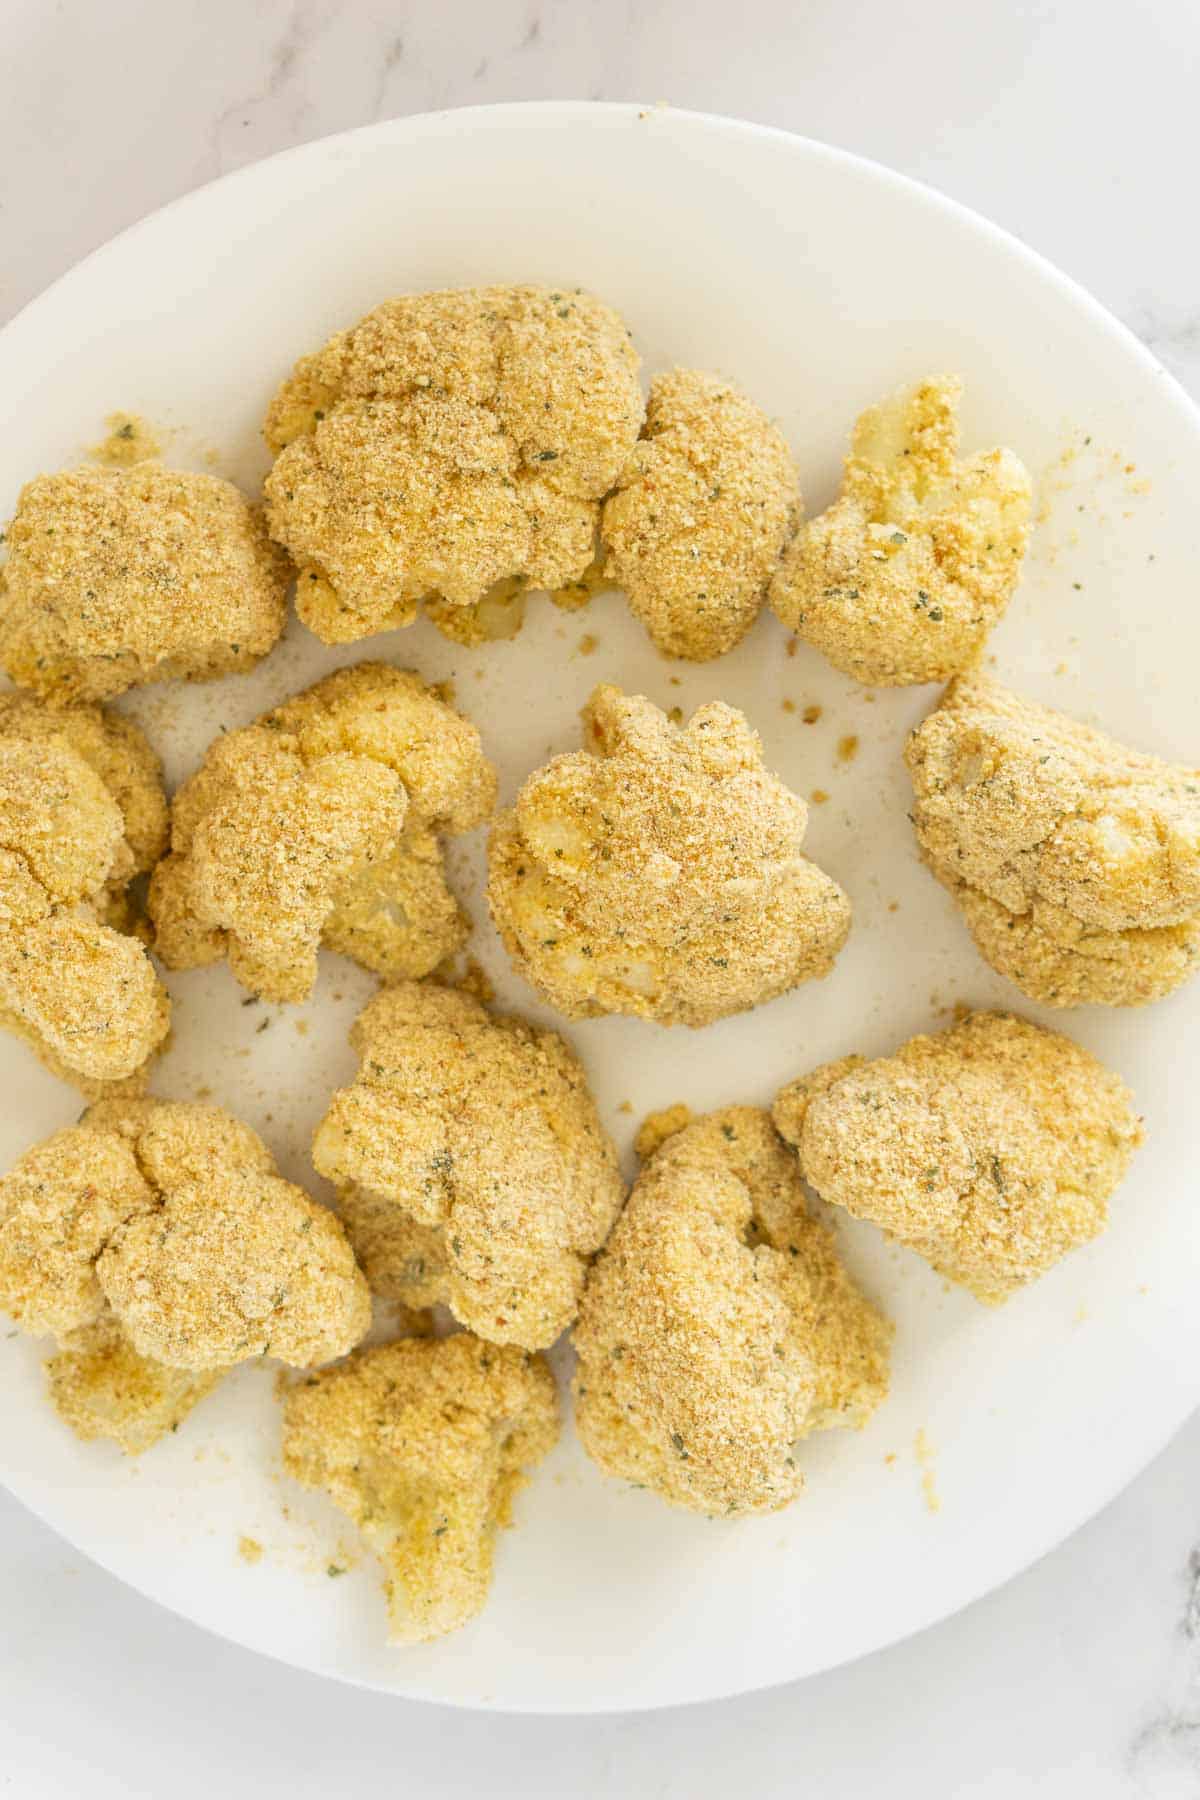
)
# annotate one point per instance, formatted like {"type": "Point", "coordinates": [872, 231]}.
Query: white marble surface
{"type": "Point", "coordinates": [1072, 122]}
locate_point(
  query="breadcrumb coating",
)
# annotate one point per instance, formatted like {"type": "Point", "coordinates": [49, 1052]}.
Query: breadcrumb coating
{"type": "Point", "coordinates": [471, 1165]}
{"type": "Point", "coordinates": [424, 1443]}
{"type": "Point", "coordinates": [904, 576]}
{"type": "Point", "coordinates": [701, 514]}
{"type": "Point", "coordinates": [658, 871]}
{"type": "Point", "coordinates": [719, 1327]}
{"type": "Point", "coordinates": [448, 443]}
{"type": "Point", "coordinates": [166, 1222]}
{"type": "Point", "coordinates": [120, 576]}
{"type": "Point", "coordinates": [320, 824]}
{"type": "Point", "coordinates": [102, 1388]}
{"type": "Point", "coordinates": [81, 814]}
{"type": "Point", "coordinates": [1075, 861]}
{"type": "Point", "coordinates": [990, 1149]}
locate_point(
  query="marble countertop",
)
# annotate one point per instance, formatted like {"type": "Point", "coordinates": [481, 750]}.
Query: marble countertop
{"type": "Point", "coordinates": [1075, 125]}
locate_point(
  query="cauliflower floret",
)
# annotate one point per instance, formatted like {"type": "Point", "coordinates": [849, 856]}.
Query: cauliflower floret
{"type": "Point", "coordinates": [990, 1149]}
{"type": "Point", "coordinates": [102, 1388]}
{"type": "Point", "coordinates": [658, 872]}
{"type": "Point", "coordinates": [120, 576]}
{"type": "Point", "coordinates": [425, 1443]}
{"type": "Point", "coordinates": [166, 1221]}
{"type": "Point", "coordinates": [449, 442]}
{"type": "Point", "coordinates": [81, 814]}
{"type": "Point", "coordinates": [471, 1164]}
{"type": "Point", "coordinates": [904, 576]}
{"type": "Point", "coordinates": [701, 515]}
{"type": "Point", "coordinates": [718, 1326]}
{"type": "Point", "coordinates": [320, 824]}
{"type": "Point", "coordinates": [1075, 861]}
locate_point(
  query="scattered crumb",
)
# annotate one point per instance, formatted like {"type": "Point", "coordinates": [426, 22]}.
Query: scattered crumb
{"type": "Point", "coordinates": [791, 646]}
{"type": "Point", "coordinates": [924, 1452]}
{"type": "Point", "coordinates": [130, 440]}
{"type": "Point", "coordinates": [588, 643]}
{"type": "Point", "coordinates": [818, 796]}
{"type": "Point", "coordinates": [847, 748]}
{"type": "Point", "coordinates": [674, 681]}
{"type": "Point", "coordinates": [893, 906]}
{"type": "Point", "coordinates": [789, 706]}
{"type": "Point", "coordinates": [675, 714]}
{"type": "Point", "coordinates": [1081, 1315]}
{"type": "Point", "coordinates": [626, 1106]}
{"type": "Point", "coordinates": [890, 1459]}
{"type": "Point", "coordinates": [301, 1027]}
{"type": "Point", "coordinates": [250, 1550]}
{"type": "Point", "coordinates": [810, 714]}
{"type": "Point", "coordinates": [657, 1127]}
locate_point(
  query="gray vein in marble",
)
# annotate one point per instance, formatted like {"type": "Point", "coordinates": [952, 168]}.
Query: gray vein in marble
{"type": "Point", "coordinates": [258, 112]}
{"type": "Point", "coordinates": [1172, 334]}
{"type": "Point", "coordinates": [1164, 1754]}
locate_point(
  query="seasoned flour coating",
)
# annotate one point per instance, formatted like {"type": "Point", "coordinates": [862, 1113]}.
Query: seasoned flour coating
{"type": "Point", "coordinates": [470, 1163]}
{"type": "Point", "coordinates": [447, 443]}
{"type": "Point", "coordinates": [120, 576]}
{"type": "Point", "coordinates": [904, 576]}
{"type": "Point", "coordinates": [990, 1149]}
{"type": "Point", "coordinates": [658, 871]}
{"type": "Point", "coordinates": [102, 1388]}
{"type": "Point", "coordinates": [157, 1243]}
{"type": "Point", "coordinates": [701, 515]}
{"type": "Point", "coordinates": [1075, 861]}
{"type": "Point", "coordinates": [424, 1443]}
{"type": "Point", "coordinates": [320, 824]}
{"type": "Point", "coordinates": [81, 814]}
{"type": "Point", "coordinates": [718, 1327]}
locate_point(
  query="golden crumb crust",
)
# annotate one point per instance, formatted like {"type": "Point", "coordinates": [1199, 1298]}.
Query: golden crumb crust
{"type": "Point", "coordinates": [102, 1388]}
{"type": "Point", "coordinates": [321, 824]}
{"type": "Point", "coordinates": [82, 813]}
{"type": "Point", "coordinates": [168, 1220]}
{"type": "Point", "coordinates": [448, 443]}
{"type": "Point", "coordinates": [424, 1444]}
{"type": "Point", "coordinates": [1075, 861]}
{"type": "Point", "coordinates": [904, 576]}
{"type": "Point", "coordinates": [701, 514]}
{"type": "Point", "coordinates": [658, 871]}
{"type": "Point", "coordinates": [120, 576]}
{"type": "Point", "coordinates": [990, 1149]}
{"type": "Point", "coordinates": [470, 1163]}
{"type": "Point", "coordinates": [719, 1327]}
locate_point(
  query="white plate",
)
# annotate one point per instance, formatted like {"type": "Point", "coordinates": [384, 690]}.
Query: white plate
{"type": "Point", "coordinates": [818, 281]}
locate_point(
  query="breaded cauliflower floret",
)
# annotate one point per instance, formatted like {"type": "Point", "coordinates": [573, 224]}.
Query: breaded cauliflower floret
{"type": "Point", "coordinates": [471, 1164]}
{"type": "Point", "coordinates": [1075, 861]}
{"type": "Point", "coordinates": [904, 576]}
{"type": "Point", "coordinates": [425, 1443]}
{"type": "Point", "coordinates": [990, 1149]}
{"type": "Point", "coordinates": [81, 814]}
{"type": "Point", "coordinates": [120, 576]}
{"type": "Point", "coordinates": [447, 443]}
{"type": "Point", "coordinates": [320, 824]}
{"type": "Point", "coordinates": [166, 1221]}
{"type": "Point", "coordinates": [701, 515]}
{"type": "Point", "coordinates": [718, 1327]}
{"type": "Point", "coordinates": [658, 872]}
{"type": "Point", "coordinates": [102, 1388]}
